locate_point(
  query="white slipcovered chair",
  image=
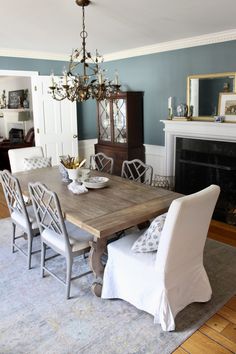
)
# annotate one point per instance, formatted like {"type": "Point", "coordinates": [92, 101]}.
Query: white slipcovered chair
{"type": "Point", "coordinates": [17, 156]}
{"type": "Point", "coordinates": [162, 283]}
{"type": "Point", "coordinates": [138, 171]}
{"type": "Point", "coordinates": [102, 162]}
{"type": "Point", "coordinates": [63, 237]}
{"type": "Point", "coordinates": [21, 215]}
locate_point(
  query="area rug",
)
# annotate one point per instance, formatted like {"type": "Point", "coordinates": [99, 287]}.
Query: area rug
{"type": "Point", "coordinates": [36, 318]}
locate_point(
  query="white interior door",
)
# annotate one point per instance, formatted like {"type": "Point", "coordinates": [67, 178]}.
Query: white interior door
{"type": "Point", "coordinates": [55, 122]}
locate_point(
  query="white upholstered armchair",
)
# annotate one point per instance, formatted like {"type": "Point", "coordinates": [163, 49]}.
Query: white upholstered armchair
{"type": "Point", "coordinates": [162, 283]}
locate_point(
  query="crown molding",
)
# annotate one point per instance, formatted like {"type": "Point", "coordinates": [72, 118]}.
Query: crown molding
{"type": "Point", "coordinates": [19, 53]}
{"type": "Point", "coordinates": [205, 39]}
{"type": "Point", "coordinates": [217, 37]}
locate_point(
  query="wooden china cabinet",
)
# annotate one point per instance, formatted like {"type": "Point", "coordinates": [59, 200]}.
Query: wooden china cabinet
{"type": "Point", "coordinates": [120, 128]}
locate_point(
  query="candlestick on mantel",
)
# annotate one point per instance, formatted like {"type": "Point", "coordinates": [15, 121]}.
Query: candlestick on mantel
{"type": "Point", "coordinates": [170, 102]}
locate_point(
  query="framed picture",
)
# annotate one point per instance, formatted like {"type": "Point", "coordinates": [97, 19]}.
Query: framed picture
{"type": "Point", "coordinates": [227, 106]}
{"type": "Point", "coordinates": [15, 99]}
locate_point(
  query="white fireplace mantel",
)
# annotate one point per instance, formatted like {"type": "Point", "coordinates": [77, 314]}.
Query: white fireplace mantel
{"type": "Point", "coordinates": [194, 130]}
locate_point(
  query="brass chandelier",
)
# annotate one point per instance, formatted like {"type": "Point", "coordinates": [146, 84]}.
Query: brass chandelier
{"type": "Point", "coordinates": [90, 82]}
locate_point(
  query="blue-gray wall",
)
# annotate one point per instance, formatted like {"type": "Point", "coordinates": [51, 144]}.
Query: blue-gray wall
{"type": "Point", "coordinates": [158, 75]}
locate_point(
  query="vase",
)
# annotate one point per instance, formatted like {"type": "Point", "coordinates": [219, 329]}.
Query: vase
{"type": "Point", "coordinates": [73, 174]}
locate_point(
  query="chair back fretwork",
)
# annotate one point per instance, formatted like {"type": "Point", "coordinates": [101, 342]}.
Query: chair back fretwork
{"type": "Point", "coordinates": [102, 163]}
{"type": "Point", "coordinates": [13, 194]}
{"type": "Point", "coordinates": [48, 210]}
{"type": "Point", "coordinates": [138, 171]}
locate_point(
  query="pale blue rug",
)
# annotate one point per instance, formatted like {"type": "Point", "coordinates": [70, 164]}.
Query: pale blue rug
{"type": "Point", "coordinates": [36, 318]}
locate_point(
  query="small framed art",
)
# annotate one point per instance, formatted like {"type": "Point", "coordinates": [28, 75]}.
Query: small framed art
{"type": "Point", "coordinates": [227, 106]}
{"type": "Point", "coordinates": [15, 99]}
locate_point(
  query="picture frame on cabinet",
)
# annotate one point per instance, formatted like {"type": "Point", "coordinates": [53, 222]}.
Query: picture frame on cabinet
{"type": "Point", "coordinates": [227, 106]}
{"type": "Point", "coordinates": [15, 99]}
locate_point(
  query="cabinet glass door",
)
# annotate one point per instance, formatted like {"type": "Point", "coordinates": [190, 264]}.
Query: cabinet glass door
{"type": "Point", "coordinates": [119, 116]}
{"type": "Point", "coordinates": [104, 121]}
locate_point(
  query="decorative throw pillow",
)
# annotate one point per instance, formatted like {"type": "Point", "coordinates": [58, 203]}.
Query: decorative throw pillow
{"type": "Point", "coordinates": [149, 240]}
{"type": "Point", "coordinates": [37, 162]}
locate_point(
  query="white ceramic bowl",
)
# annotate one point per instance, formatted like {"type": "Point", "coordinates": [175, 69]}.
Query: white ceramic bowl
{"type": "Point", "coordinates": [96, 182]}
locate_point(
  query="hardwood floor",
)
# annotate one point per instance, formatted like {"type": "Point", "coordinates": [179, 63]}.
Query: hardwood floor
{"type": "Point", "coordinates": [218, 334]}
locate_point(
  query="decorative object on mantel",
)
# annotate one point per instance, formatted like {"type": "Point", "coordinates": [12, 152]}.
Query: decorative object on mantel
{"type": "Point", "coordinates": [91, 83]}
{"type": "Point", "coordinates": [198, 94]}
{"type": "Point", "coordinates": [182, 110]}
{"type": "Point", "coordinates": [227, 106]}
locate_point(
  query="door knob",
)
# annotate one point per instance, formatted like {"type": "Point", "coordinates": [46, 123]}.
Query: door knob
{"type": "Point", "coordinates": [75, 136]}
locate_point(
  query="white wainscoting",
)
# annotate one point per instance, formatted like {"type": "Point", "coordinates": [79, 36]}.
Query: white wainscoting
{"type": "Point", "coordinates": [86, 149]}
{"type": "Point", "coordinates": [154, 154]}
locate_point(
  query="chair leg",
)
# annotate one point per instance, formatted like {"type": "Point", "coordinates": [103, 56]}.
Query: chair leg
{"type": "Point", "coordinates": [43, 256]}
{"type": "Point", "coordinates": [30, 243]}
{"type": "Point", "coordinates": [68, 275]}
{"type": "Point", "coordinates": [13, 237]}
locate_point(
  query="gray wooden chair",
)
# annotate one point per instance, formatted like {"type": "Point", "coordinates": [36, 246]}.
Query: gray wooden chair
{"type": "Point", "coordinates": [102, 163]}
{"type": "Point", "coordinates": [21, 215]}
{"type": "Point", "coordinates": [63, 237]}
{"type": "Point", "coordinates": [138, 171]}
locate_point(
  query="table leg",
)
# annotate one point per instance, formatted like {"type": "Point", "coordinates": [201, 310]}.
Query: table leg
{"type": "Point", "coordinates": [97, 250]}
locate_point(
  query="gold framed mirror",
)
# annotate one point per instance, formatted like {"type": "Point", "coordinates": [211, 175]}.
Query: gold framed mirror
{"type": "Point", "coordinates": [203, 93]}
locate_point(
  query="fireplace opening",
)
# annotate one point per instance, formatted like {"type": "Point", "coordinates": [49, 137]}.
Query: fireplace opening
{"type": "Point", "coordinates": [199, 163]}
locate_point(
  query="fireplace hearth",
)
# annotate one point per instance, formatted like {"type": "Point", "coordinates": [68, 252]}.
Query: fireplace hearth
{"type": "Point", "coordinates": [199, 163]}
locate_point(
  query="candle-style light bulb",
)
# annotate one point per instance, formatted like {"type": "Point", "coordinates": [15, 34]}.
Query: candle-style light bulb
{"type": "Point", "coordinates": [52, 79]}
{"type": "Point", "coordinates": [64, 76]}
{"type": "Point", "coordinates": [100, 78]}
{"type": "Point", "coordinates": [116, 78]}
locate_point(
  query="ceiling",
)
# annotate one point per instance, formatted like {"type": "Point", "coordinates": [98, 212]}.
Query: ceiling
{"type": "Point", "coordinates": [53, 26]}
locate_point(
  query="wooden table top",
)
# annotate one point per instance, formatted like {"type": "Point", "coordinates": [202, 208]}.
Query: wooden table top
{"type": "Point", "coordinates": [102, 212]}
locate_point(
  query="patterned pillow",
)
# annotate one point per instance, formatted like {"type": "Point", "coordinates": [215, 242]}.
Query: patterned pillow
{"type": "Point", "coordinates": [149, 240]}
{"type": "Point", "coordinates": [37, 162]}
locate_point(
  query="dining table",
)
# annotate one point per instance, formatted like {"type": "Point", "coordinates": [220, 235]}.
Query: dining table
{"type": "Point", "coordinates": [104, 212]}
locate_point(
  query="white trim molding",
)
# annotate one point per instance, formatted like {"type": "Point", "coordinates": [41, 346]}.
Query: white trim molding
{"type": "Point", "coordinates": [205, 39]}
{"type": "Point", "coordinates": [21, 53]}
{"type": "Point", "coordinates": [18, 73]}
{"type": "Point", "coordinates": [195, 130]}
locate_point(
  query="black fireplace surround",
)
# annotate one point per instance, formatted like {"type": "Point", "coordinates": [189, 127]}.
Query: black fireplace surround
{"type": "Point", "coordinates": [200, 163]}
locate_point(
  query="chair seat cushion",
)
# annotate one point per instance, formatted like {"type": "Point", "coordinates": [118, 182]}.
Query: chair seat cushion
{"type": "Point", "coordinates": [20, 219]}
{"type": "Point", "coordinates": [78, 238]}
{"type": "Point", "coordinates": [130, 275]}
{"type": "Point", "coordinates": [149, 240]}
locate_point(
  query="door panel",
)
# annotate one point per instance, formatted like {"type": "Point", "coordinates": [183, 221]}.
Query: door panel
{"type": "Point", "coordinates": [55, 121]}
